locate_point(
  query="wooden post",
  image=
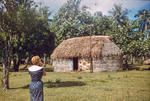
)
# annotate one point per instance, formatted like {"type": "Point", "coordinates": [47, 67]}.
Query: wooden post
{"type": "Point", "coordinates": [91, 59]}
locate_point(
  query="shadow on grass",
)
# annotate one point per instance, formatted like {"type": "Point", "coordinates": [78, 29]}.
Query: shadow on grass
{"type": "Point", "coordinates": [23, 87]}
{"type": "Point", "coordinates": [50, 84]}
{"type": "Point", "coordinates": [139, 67]}
{"type": "Point", "coordinates": [63, 84]}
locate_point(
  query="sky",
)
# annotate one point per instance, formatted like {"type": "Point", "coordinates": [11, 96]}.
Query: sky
{"type": "Point", "coordinates": [101, 5]}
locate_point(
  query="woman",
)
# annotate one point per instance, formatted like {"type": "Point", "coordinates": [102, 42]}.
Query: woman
{"type": "Point", "coordinates": [36, 86]}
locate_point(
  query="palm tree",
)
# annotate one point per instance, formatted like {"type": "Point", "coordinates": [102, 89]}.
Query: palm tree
{"type": "Point", "coordinates": [144, 21]}
{"type": "Point", "coordinates": [119, 15]}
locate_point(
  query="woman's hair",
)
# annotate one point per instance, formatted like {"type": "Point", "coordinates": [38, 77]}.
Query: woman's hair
{"type": "Point", "coordinates": [36, 60]}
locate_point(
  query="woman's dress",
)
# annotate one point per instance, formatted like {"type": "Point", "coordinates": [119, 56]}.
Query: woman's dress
{"type": "Point", "coordinates": [36, 85]}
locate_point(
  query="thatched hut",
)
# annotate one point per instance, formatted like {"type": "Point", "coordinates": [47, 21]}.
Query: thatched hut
{"type": "Point", "coordinates": [96, 53]}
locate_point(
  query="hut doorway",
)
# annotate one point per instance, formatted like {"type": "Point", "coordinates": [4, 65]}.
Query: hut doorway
{"type": "Point", "coordinates": [75, 64]}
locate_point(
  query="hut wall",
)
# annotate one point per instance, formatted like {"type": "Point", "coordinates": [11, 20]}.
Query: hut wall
{"type": "Point", "coordinates": [107, 63]}
{"type": "Point", "coordinates": [84, 64]}
{"type": "Point", "coordinates": [63, 65]}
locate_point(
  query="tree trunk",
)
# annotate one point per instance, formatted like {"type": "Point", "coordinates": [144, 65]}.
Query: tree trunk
{"type": "Point", "coordinates": [16, 65]}
{"type": "Point", "coordinates": [6, 54]}
{"type": "Point", "coordinates": [5, 79]}
{"type": "Point", "coordinates": [17, 58]}
{"type": "Point", "coordinates": [44, 60]}
{"type": "Point", "coordinates": [131, 60]}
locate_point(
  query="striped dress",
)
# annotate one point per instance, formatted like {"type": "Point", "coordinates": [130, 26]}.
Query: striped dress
{"type": "Point", "coordinates": [36, 85]}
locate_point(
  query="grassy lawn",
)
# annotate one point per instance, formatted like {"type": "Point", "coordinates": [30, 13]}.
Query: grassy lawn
{"type": "Point", "coordinates": [105, 86]}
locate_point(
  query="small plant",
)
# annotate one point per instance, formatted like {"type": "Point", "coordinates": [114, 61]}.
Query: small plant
{"type": "Point", "coordinates": [110, 77]}
{"type": "Point", "coordinates": [103, 81]}
{"type": "Point", "coordinates": [14, 75]}
{"type": "Point", "coordinates": [108, 89]}
{"type": "Point", "coordinates": [125, 76]}
{"type": "Point", "coordinates": [49, 81]}
{"type": "Point", "coordinates": [58, 80]}
{"type": "Point", "coordinates": [79, 77]}
{"type": "Point", "coordinates": [1, 83]}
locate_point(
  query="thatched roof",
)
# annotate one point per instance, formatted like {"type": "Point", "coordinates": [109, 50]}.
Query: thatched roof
{"type": "Point", "coordinates": [86, 46]}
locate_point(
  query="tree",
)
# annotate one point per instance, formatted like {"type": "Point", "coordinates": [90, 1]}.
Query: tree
{"type": "Point", "coordinates": [120, 30]}
{"type": "Point", "coordinates": [126, 35]}
{"type": "Point", "coordinates": [65, 22]}
{"type": "Point", "coordinates": [144, 22]}
{"type": "Point", "coordinates": [35, 37]}
{"type": "Point", "coordinates": [120, 26]}
{"type": "Point", "coordinates": [22, 21]}
{"type": "Point", "coordinates": [7, 15]}
{"type": "Point", "coordinates": [71, 21]}
{"type": "Point", "coordinates": [119, 15]}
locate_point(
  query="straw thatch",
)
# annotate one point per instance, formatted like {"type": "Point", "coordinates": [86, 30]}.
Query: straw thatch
{"type": "Point", "coordinates": [94, 46]}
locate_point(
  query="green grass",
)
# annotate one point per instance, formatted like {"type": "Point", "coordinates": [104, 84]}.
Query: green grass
{"type": "Point", "coordinates": [105, 86]}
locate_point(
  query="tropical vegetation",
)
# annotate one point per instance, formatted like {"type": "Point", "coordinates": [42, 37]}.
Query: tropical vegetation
{"type": "Point", "coordinates": [26, 30]}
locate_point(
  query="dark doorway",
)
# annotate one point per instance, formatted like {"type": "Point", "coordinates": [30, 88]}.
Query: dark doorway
{"type": "Point", "coordinates": [75, 64]}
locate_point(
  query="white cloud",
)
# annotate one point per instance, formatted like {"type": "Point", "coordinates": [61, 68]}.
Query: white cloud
{"type": "Point", "coordinates": [51, 2]}
{"type": "Point", "coordinates": [97, 5]}
{"type": "Point", "coordinates": [107, 5]}
{"type": "Point", "coordinates": [53, 5]}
